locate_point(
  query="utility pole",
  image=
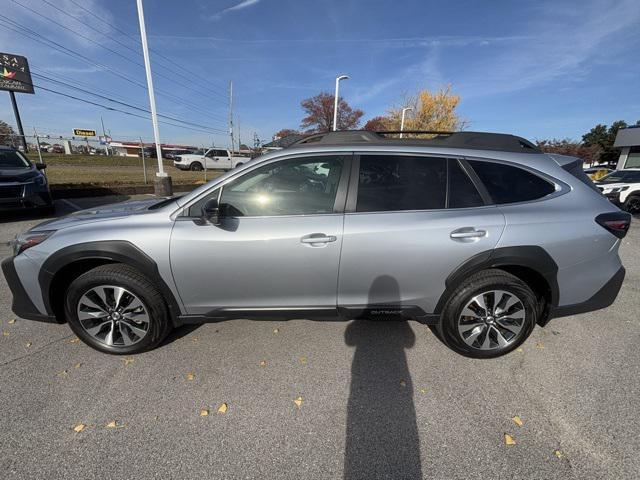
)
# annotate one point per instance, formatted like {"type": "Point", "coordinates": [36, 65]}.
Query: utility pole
{"type": "Point", "coordinates": [16, 112]}
{"type": "Point", "coordinates": [231, 113]}
{"type": "Point", "coordinates": [104, 135]}
{"type": "Point", "coordinates": [35, 134]}
{"type": "Point", "coordinates": [162, 183]}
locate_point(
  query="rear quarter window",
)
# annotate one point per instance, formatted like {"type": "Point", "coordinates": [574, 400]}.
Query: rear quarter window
{"type": "Point", "coordinates": [509, 184]}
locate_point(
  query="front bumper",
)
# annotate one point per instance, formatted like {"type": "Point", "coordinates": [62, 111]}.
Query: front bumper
{"type": "Point", "coordinates": [24, 196]}
{"type": "Point", "coordinates": [22, 305]}
{"type": "Point", "coordinates": [614, 198]}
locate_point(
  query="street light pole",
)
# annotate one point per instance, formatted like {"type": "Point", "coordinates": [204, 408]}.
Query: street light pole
{"type": "Point", "coordinates": [335, 101]}
{"type": "Point", "coordinates": [162, 184]}
{"type": "Point", "coordinates": [404, 110]}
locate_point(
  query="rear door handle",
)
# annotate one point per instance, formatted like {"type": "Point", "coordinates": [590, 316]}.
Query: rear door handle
{"type": "Point", "coordinates": [318, 238]}
{"type": "Point", "coordinates": [468, 232]}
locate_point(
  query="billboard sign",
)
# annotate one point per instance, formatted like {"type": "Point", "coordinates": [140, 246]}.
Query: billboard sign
{"type": "Point", "coordinates": [82, 132]}
{"type": "Point", "coordinates": [14, 74]}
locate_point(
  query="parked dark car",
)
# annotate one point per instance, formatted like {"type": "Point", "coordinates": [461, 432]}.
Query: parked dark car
{"type": "Point", "coordinates": [23, 185]}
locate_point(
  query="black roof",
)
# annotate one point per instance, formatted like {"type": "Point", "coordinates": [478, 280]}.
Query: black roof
{"type": "Point", "coordinates": [285, 141]}
{"type": "Point", "coordinates": [472, 140]}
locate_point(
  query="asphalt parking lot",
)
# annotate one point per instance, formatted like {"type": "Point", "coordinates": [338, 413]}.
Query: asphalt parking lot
{"type": "Point", "coordinates": [358, 400]}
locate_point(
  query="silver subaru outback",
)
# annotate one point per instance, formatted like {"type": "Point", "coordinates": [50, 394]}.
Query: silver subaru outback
{"type": "Point", "coordinates": [479, 236]}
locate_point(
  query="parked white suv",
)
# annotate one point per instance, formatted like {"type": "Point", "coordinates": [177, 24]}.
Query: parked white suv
{"type": "Point", "coordinates": [214, 158]}
{"type": "Point", "coordinates": [622, 187]}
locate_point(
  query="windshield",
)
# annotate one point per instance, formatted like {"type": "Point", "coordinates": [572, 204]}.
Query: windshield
{"type": "Point", "coordinates": [164, 202]}
{"type": "Point", "coordinates": [13, 159]}
{"type": "Point", "coordinates": [620, 176]}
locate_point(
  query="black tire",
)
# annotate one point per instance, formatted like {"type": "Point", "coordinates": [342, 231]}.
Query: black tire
{"type": "Point", "coordinates": [239, 164]}
{"type": "Point", "coordinates": [632, 205]}
{"type": "Point", "coordinates": [196, 167]}
{"type": "Point", "coordinates": [125, 276]}
{"type": "Point", "coordinates": [487, 280]}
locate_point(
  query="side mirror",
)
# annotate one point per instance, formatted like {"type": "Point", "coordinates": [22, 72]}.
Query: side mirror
{"type": "Point", "coordinates": [211, 211]}
{"type": "Point", "coordinates": [41, 166]}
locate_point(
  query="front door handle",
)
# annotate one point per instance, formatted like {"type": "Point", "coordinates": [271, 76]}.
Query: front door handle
{"type": "Point", "coordinates": [468, 233]}
{"type": "Point", "coordinates": [318, 238]}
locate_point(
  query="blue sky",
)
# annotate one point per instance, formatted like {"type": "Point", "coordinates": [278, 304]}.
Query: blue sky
{"type": "Point", "coordinates": [540, 69]}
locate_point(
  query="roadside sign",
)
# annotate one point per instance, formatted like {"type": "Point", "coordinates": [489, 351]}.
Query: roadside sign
{"type": "Point", "coordinates": [14, 74]}
{"type": "Point", "coordinates": [81, 132]}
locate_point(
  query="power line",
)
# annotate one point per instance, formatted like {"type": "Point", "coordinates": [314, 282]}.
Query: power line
{"type": "Point", "coordinates": [113, 109]}
{"type": "Point", "coordinates": [206, 86]}
{"type": "Point", "coordinates": [87, 88]}
{"type": "Point", "coordinates": [115, 52]}
{"type": "Point", "coordinates": [135, 39]}
{"type": "Point", "coordinates": [33, 35]}
{"type": "Point", "coordinates": [128, 105]}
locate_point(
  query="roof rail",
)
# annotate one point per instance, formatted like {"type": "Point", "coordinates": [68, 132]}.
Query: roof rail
{"type": "Point", "coordinates": [470, 140]}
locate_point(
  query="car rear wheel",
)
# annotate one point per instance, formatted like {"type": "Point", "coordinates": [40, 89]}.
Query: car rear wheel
{"type": "Point", "coordinates": [115, 309]}
{"type": "Point", "coordinates": [196, 167]}
{"type": "Point", "coordinates": [632, 204]}
{"type": "Point", "coordinates": [489, 315]}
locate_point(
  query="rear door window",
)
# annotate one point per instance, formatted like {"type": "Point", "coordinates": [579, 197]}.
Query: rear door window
{"type": "Point", "coordinates": [401, 182]}
{"type": "Point", "coordinates": [509, 184]}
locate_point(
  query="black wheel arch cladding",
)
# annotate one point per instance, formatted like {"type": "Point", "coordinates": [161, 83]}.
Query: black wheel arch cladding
{"type": "Point", "coordinates": [532, 257]}
{"type": "Point", "coordinates": [109, 251]}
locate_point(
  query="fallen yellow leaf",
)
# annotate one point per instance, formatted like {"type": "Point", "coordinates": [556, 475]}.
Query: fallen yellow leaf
{"type": "Point", "coordinates": [191, 376]}
{"type": "Point", "coordinates": [204, 412]}
{"type": "Point", "coordinates": [519, 350]}
{"type": "Point", "coordinates": [298, 402]}
{"type": "Point", "coordinates": [111, 424]}
{"type": "Point", "coordinates": [5, 334]}
{"type": "Point", "coordinates": [508, 439]}
{"type": "Point", "coordinates": [303, 360]}
{"type": "Point", "coordinates": [263, 363]}
{"type": "Point", "coordinates": [12, 321]}
{"type": "Point", "coordinates": [540, 346]}
{"type": "Point", "coordinates": [28, 344]}
{"type": "Point", "coordinates": [558, 453]}
{"type": "Point", "coordinates": [77, 365]}
{"type": "Point", "coordinates": [275, 330]}
{"type": "Point", "coordinates": [517, 420]}
{"type": "Point", "coordinates": [127, 361]}
{"type": "Point", "coordinates": [222, 408]}
{"type": "Point", "coordinates": [403, 383]}
{"type": "Point", "coordinates": [423, 390]}
{"type": "Point", "coordinates": [63, 373]}
{"type": "Point", "coordinates": [74, 340]}
{"type": "Point", "coordinates": [78, 428]}
{"type": "Point", "coordinates": [195, 339]}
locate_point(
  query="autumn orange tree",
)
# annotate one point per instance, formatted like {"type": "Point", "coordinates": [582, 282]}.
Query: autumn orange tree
{"type": "Point", "coordinates": [431, 111]}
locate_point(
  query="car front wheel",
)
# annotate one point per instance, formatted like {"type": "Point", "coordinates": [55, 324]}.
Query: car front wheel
{"type": "Point", "coordinates": [115, 309]}
{"type": "Point", "coordinates": [196, 167]}
{"type": "Point", "coordinates": [490, 314]}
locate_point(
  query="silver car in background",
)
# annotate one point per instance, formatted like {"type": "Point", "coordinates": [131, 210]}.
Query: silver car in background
{"type": "Point", "coordinates": [480, 236]}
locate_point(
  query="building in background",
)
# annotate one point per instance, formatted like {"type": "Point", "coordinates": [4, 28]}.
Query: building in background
{"type": "Point", "coordinates": [628, 139]}
{"type": "Point", "coordinates": [132, 149]}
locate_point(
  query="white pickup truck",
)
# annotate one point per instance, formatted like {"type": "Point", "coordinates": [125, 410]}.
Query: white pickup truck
{"type": "Point", "coordinates": [214, 159]}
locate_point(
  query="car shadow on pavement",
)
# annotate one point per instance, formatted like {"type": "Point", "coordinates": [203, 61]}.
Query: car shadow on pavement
{"type": "Point", "coordinates": [382, 439]}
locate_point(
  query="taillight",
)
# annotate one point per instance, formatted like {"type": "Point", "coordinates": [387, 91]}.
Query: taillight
{"type": "Point", "coordinates": [615, 222]}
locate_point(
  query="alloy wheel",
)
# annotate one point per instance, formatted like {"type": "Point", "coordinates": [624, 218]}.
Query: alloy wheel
{"type": "Point", "coordinates": [113, 315]}
{"type": "Point", "coordinates": [492, 319]}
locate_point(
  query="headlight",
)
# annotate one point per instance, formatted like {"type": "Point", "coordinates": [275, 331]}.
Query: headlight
{"type": "Point", "coordinates": [27, 240]}
{"type": "Point", "coordinates": [40, 180]}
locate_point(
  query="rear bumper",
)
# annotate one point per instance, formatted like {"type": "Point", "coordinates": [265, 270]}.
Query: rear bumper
{"type": "Point", "coordinates": [22, 305]}
{"type": "Point", "coordinates": [601, 299]}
